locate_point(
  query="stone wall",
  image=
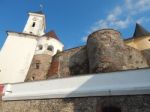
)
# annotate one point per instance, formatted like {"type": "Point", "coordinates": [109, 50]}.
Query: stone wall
{"type": "Point", "coordinates": [70, 62]}
{"type": "Point", "coordinates": [105, 52]}
{"type": "Point", "coordinates": [134, 59]}
{"type": "Point", "coordinates": [39, 67]}
{"type": "Point", "coordinates": [139, 103]}
{"type": "Point", "coordinates": [146, 53]}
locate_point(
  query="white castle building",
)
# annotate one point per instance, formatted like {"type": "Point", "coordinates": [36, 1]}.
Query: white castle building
{"type": "Point", "coordinates": [19, 48]}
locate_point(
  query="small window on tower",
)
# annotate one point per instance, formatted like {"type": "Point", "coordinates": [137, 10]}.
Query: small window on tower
{"type": "Point", "coordinates": [37, 64]}
{"type": "Point", "coordinates": [50, 48]}
{"type": "Point", "coordinates": [33, 25]}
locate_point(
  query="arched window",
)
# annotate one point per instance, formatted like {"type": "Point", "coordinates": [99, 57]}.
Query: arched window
{"type": "Point", "coordinates": [40, 47]}
{"type": "Point", "coordinates": [50, 48]}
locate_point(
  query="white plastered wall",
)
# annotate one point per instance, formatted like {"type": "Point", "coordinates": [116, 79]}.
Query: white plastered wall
{"type": "Point", "coordinates": [49, 42]}
{"type": "Point", "coordinates": [15, 57]}
{"type": "Point", "coordinates": [40, 26]}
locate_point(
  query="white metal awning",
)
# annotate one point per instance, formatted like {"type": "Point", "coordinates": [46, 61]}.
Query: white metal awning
{"type": "Point", "coordinates": [132, 82]}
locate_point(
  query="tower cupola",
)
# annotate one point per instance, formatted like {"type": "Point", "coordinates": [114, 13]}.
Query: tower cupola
{"type": "Point", "coordinates": [35, 24]}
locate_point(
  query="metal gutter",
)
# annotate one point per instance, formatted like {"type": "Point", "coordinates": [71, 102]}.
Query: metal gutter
{"type": "Point", "coordinates": [132, 82]}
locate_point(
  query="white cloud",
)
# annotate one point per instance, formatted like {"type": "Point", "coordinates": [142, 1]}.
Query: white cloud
{"type": "Point", "coordinates": [122, 16]}
{"type": "Point", "coordinates": [137, 6]}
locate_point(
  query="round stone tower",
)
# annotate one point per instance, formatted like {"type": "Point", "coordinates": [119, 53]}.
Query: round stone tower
{"type": "Point", "coordinates": [104, 48]}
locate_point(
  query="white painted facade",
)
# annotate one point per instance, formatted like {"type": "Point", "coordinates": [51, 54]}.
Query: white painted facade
{"type": "Point", "coordinates": [16, 56]}
{"type": "Point", "coordinates": [35, 24]}
{"type": "Point", "coordinates": [19, 49]}
{"type": "Point", "coordinates": [44, 43]}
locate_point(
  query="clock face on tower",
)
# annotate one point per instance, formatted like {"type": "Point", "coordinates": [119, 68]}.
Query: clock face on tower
{"type": "Point", "coordinates": [34, 19]}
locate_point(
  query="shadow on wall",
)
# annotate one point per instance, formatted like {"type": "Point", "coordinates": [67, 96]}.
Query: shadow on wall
{"type": "Point", "coordinates": [78, 63]}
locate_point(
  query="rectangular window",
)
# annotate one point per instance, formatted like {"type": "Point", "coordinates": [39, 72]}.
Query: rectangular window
{"type": "Point", "coordinates": [37, 66]}
{"type": "Point", "coordinates": [33, 25]}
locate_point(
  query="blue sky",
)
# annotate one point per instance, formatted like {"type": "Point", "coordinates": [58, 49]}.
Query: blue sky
{"type": "Point", "coordinates": [74, 20]}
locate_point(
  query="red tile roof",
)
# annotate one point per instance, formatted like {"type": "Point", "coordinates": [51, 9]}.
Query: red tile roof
{"type": "Point", "coordinates": [51, 34]}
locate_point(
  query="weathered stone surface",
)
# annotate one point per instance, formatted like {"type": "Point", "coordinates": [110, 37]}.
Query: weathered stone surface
{"type": "Point", "coordinates": [139, 103]}
{"type": "Point", "coordinates": [39, 67]}
{"type": "Point", "coordinates": [70, 62]}
{"type": "Point", "coordinates": [146, 53]}
{"type": "Point", "coordinates": [107, 53]}
{"type": "Point", "coordinates": [133, 59]}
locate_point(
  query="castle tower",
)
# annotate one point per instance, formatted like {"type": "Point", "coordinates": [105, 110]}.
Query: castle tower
{"type": "Point", "coordinates": [48, 45]}
{"type": "Point", "coordinates": [35, 24]}
{"type": "Point", "coordinates": [36, 49]}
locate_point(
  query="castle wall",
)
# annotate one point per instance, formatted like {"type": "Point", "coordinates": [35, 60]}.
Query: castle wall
{"type": "Point", "coordinates": [134, 59]}
{"type": "Point", "coordinates": [16, 56]}
{"type": "Point", "coordinates": [146, 53]}
{"type": "Point", "coordinates": [135, 103]}
{"type": "Point", "coordinates": [39, 67]}
{"type": "Point", "coordinates": [70, 62]}
{"type": "Point", "coordinates": [105, 52]}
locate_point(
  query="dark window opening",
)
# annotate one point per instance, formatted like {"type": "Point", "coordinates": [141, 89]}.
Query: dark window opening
{"type": "Point", "coordinates": [40, 47]}
{"type": "Point", "coordinates": [50, 48]}
{"type": "Point", "coordinates": [37, 65]}
{"type": "Point", "coordinates": [33, 25]}
{"type": "Point", "coordinates": [33, 78]}
{"type": "Point", "coordinates": [111, 109]}
{"type": "Point", "coordinates": [148, 39]}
